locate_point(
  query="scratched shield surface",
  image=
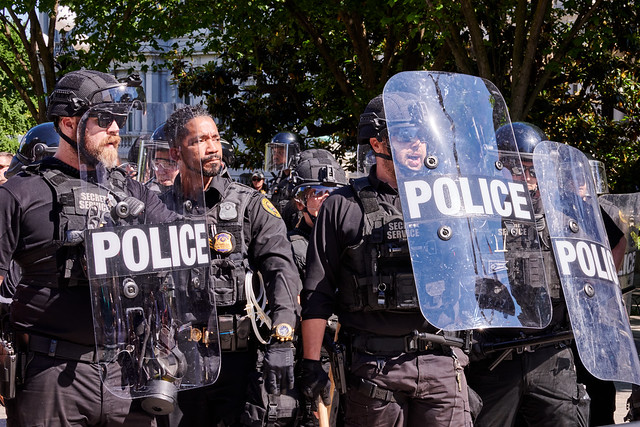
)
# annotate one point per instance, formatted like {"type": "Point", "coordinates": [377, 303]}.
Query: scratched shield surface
{"type": "Point", "coordinates": [153, 314]}
{"type": "Point", "coordinates": [585, 263]}
{"type": "Point", "coordinates": [468, 215]}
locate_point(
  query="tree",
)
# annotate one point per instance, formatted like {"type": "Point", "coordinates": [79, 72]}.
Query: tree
{"type": "Point", "coordinates": [304, 65]}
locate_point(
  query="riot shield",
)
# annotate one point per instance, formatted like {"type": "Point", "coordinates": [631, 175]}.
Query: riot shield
{"type": "Point", "coordinates": [624, 210]}
{"type": "Point", "coordinates": [147, 266]}
{"type": "Point", "coordinates": [468, 216]}
{"type": "Point", "coordinates": [585, 263]}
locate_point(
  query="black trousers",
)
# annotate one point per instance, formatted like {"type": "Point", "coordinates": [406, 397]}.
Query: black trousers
{"type": "Point", "coordinates": [58, 392]}
{"type": "Point", "coordinates": [532, 388]}
{"type": "Point", "coordinates": [429, 388]}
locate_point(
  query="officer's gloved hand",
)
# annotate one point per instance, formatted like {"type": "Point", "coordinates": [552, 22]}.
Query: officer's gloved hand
{"type": "Point", "coordinates": [278, 367]}
{"type": "Point", "coordinates": [315, 382]}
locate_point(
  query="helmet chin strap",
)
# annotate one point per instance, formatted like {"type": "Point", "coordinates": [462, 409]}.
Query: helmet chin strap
{"type": "Point", "coordinates": [70, 141]}
{"type": "Point", "coordinates": [383, 156]}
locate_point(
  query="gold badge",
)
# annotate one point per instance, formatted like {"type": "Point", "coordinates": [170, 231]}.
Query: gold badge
{"type": "Point", "coordinates": [268, 206]}
{"type": "Point", "coordinates": [223, 242]}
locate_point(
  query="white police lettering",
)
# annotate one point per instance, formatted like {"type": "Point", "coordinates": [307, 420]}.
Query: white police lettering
{"type": "Point", "coordinates": [585, 259]}
{"type": "Point", "coordinates": [628, 264]}
{"type": "Point", "coordinates": [87, 200]}
{"type": "Point", "coordinates": [144, 248]}
{"type": "Point", "coordinates": [468, 196]}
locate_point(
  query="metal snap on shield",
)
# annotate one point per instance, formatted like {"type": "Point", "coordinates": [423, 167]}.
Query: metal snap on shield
{"type": "Point", "coordinates": [589, 290]}
{"type": "Point", "coordinates": [130, 288]}
{"type": "Point", "coordinates": [431, 162]}
{"type": "Point", "coordinates": [445, 232]}
{"type": "Point", "coordinates": [499, 165]}
{"type": "Point", "coordinates": [573, 226]}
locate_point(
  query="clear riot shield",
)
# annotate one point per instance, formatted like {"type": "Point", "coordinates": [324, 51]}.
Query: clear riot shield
{"type": "Point", "coordinates": [154, 318]}
{"type": "Point", "coordinates": [624, 210]}
{"type": "Point", "coordinates": [585, 263]}
{"type": "Point", "coordinates": [468, 216]}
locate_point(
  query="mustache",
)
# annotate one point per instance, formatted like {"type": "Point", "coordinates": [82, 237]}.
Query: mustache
{"type": "Point", "coordinates": [211, 157]}
{"type": "Point", "coordinates": [112, 139]}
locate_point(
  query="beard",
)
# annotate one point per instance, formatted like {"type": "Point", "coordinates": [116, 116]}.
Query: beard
{"type": "Point", "coordinates": [101, 152]}
{"type": "Point", "coordinates": [208, 168]}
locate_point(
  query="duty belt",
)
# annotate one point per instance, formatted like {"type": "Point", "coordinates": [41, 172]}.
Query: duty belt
{"type": "Point", "coordinates": [391, 346]}
{"type": "Point", "coordinates": [57, 348]}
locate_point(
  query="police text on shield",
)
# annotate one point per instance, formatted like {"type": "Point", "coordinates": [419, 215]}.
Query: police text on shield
{"type": "Point", "coordinates": [469, 196]}
{"type": "Point", "coordinates": [145, 248]}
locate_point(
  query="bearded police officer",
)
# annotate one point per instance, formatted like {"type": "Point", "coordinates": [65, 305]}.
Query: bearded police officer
{"type": "Point", "coordinates": [247, 235]}
{"type": "Point", "coordinates": [395, 377]}
{"type": "Point", "coordinates": [41, 210]}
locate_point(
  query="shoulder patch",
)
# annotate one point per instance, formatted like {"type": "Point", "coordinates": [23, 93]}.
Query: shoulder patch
{"type": "Point", "coordinates": [268, 206]}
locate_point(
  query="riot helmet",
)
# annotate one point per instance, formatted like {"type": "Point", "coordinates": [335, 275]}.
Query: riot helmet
{"type": "Point", "coordinates": [527, 136]}
{"type": "Point", "coordinates": [227, 153]}
{"type": "Point", "coordinates": [523, 137]}
{"type": "Point", "coordinates": [97, 94]}
{"type": "Point", "coordinates": [317, 172]}
{"type": "Point", "coordinates": [40, 141]}
{"type": "Point", "coordinates": [373, 123]}
{"type": "Point", "coordinates": [281, 151]}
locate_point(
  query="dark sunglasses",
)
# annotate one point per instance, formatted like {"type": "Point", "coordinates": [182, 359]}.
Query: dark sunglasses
{"type": "Point", "coordinates": [516, 170]}
{"type": "Point", "coordinates": [409, 135]}
{"type": "Point", "coordinates": [105, 118]}
{"type": "Point", "coordinates": [257, 179]}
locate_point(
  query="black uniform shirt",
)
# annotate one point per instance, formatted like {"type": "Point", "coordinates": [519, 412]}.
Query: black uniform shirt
{"type": "Point", "coordinates": [339, 225]}
{"type": "Point", "coordinates": [269, 251]}
{"type": "Point", "coordinates": [26, 226]}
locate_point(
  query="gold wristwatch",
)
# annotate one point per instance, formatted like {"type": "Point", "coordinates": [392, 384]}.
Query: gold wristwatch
{"type": "Point", "coordinates": [283, 332]}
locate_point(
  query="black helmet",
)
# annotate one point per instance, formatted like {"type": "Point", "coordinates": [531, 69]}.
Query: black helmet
{"type": "Point", "coordinates": [158, 138]}
{"type": "Point", "coordinates": [527, 136]}
{"type": "Point", "coordinates": [286, 138]}
{"type": "Point", "coordinates": [279, 153]}
{"type": "Point", "coordinates": [372, 121]}
{"type": "Point", "coordinates": [317, 169]}
{"type": "Point", "coordinates": [227, 153]}
{"type": "Point", "coordinates": [76, 91]}
{"type": "Point", "coordinates": [41, 141]}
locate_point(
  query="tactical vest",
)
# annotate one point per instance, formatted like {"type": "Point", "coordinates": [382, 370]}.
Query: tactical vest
{"type": "Point", "coordinates": [80, 205]}
{"type": "Point", "coordinates": [229, 248]}
{"type": "Point", "coordinates": [376, 272]}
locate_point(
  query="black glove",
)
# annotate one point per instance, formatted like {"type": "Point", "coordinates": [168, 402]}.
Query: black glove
{"type": "Point", "coordinates": [278, 367]}
{"type": "Point", "coordinates": [315, 382]}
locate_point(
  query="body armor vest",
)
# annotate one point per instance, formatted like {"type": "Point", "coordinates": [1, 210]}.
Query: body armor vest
{"type": "Point", "coordinates": [79, 205]}
{"type": "Point", "coordinates": [229, 249]}
{"type": "Point", "coordinates": [376, 272]}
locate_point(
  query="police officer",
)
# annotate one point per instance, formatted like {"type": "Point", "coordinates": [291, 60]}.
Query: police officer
{"type": "Point", "coordinates": [531, 384]}
{"type": "Point", "coordinates": [165, 169]}
{"type": "Point", "coordinates": [51, 315]}
{"type": "Point", "coordinates": [244, 217]}
{"type": "Point", "coordinates": [396, 376]}
{"type": "Point", "coordinates": [257, 182]}
{"type": "Point", "coordinates": [280, 158]}
{"type": "Point", "coordinates": [316, 175]}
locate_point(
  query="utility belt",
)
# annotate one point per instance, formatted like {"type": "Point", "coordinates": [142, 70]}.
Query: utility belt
{"type": "Point", "coordinates": [30, 343]}
{"type": "Point", "coordinates": [416, 342]}
{"type": "Point", "coordinates": [234, 331]}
